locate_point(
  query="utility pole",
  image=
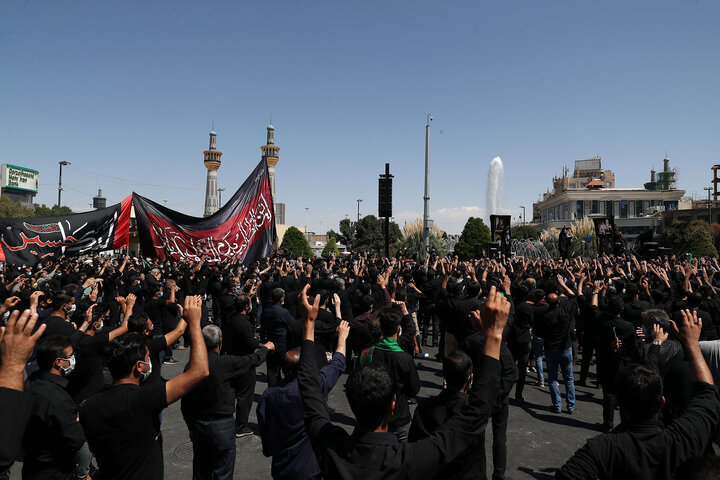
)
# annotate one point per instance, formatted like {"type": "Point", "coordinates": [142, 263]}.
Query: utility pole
{"type": "Point", "coordinates": [426, 196]}
{"type": "Point", "coordinates": [358, 202]}
{"type": "Point", "coordinates": [220, 190]}
{"type": "Point", "coordinates": [60, 189]}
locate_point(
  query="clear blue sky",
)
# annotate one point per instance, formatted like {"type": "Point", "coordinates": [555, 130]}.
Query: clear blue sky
{"type": "Point", "coordinates": [127, 91]}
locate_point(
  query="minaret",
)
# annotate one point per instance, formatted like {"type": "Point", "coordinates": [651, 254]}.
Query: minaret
{"type": "Point", "coordinates": [212, 163]}
{"type": "Point", "coordinates": [270, 155]}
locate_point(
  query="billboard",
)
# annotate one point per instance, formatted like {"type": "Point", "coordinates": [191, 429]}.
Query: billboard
{"type": "Point", "coordinates": [19, 178]}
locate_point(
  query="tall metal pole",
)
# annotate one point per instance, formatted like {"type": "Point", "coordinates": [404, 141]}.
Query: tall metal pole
{"type": "Point", "coordinates": [62, 163]}
{"type": "Point", "coordinates": [220, 190]}
{"type": "Point", "coordinates": [709, 189]}
{"type": "Point", "coordinates": [358, 202]}
{"type": "Point", "coordinates": [307, 217]}
{"type": "Point", "coordinates": [426, 196]}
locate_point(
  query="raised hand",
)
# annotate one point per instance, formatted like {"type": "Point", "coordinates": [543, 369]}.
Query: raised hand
{"type": "Point", "coordinates": [192, 310]}
{"type": "Point", "coordinates": [343, 331]}
{"type": "Point", "coordinates": [688, 332]}
{"type": "Point", "coordinates": [17, 343]}
{"type": "Point", "coordinates": [493, 315]}
{"type": "Point", "coordinates": [658, 334]}
{"type": "Point", "coordinates": [310, 312]}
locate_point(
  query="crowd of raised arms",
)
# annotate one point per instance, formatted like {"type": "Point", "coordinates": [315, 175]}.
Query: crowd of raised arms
{"type": "Point", "coordinates": [81, 391]}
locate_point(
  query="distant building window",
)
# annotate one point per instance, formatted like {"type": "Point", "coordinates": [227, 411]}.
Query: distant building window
{"type": "Point", "coordinates": [579, 214]}
{"type": "Point", "coordinates": [638, 208]}
{"type": "Point", "coordinates": [596, 206]}
{"type": "Point", "coordinates": [623, 209]}
{"type": "Point", "coordinates": [609, 208]}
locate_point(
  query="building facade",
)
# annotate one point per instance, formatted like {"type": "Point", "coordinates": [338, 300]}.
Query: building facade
{"type": "Point", "coordinates": [591, 191]}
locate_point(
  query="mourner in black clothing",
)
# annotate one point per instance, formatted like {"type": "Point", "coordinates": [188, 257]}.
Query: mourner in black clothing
{"type": "Point", "coordinates": [239, 339]}
{"type": "Point", "coordinates": [432, 413]}
{"type": "Point", "coordinates": [122, 422]}
{"type": "Point", "coordinates": [642, 447]}
{"type": "Point", "coordinates": [53, 434]}
{"type": "Point", "coordinates": [372, 452]}
{"type": "Point", "coordinates": [208, 408]}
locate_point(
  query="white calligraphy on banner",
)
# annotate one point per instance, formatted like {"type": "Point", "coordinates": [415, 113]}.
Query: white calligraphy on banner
{"type": "Point", "coordinates": [223, 243]}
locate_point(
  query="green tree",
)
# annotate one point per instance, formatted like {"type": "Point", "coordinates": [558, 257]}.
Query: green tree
{"type": "Point", "coordinates": [10, 209]}
{"type": "Point", "coordinates": [330, 248]}
{"type": "Point", "coordinates": [347, 232]}
{"type": "Point", "coordinates": [475, 232]}
{"type": "Point", "coordinates": [338, 238]}
{"type": "Point", "coordinates": [45, 211]}
{"type": "Point", "coordinates": [699, 242]}
{"type": "Point", "coordinates": [295, 242]}
{"type": "Point", "coordinates": [370, 235]}
{"type": "Point", "coordinates": [524, 232]}
{"type": "Point", "coordinates": [694, 237]}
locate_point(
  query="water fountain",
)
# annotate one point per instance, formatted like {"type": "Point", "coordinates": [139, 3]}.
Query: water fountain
{"type": "Point", "coordinates": [496, 186]}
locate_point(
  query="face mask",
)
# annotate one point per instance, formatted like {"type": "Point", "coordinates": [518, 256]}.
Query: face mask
{"type": "Point", "coordinates": [68, 370]}
{"type": "Point", "coordinates": [99, 328]}
{"type": "Point", "coordinates": [146, 375]}
{"type": "Point", "coordinates": [237, 290]}
{"type": "Point", "coordinates": [70, 310]}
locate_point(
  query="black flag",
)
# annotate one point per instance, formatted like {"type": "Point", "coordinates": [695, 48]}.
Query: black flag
{"type": "Point", "coordinates": [27, 241]}
{"type": "Point", "coordinates": [243, 229]}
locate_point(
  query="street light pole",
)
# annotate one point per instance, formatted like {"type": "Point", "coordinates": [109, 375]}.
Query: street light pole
{"type": "Point", "coordinates": [358, 202]}
{"type": "Point", "coordinates": [709, 189]}
{"type": "Point", "coordinates": [220, 190]}
{"type": "Point", "coordinates": [523, 208]}
{"type": "Point", "coordinates": [60, 189]}
{"type": "Point", "coordinates": [307, 217]}
{"type": "Point", "coordinates": [426, 196]}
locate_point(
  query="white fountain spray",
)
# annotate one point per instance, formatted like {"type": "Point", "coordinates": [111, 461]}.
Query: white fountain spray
{"type": "Point", "coordinates": [496, 186]}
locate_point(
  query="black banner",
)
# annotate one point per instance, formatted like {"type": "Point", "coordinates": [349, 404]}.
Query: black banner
{"type": "Point", "coordinates": [243, 229]}
{"type": "Point", "coordinates": [27, 241]}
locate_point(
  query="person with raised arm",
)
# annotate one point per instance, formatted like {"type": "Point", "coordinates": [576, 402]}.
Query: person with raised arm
{"type": "Point", "coordinates": [122, 424]}
{"type": "Point", "coordinates": [641, 447]}
{"type": "Point", "coordinates": [371, 451]}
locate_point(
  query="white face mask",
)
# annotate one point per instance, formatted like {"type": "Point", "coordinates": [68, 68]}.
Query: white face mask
{"type": "Point", "coordinates": [146, 375]}
{"type": "Point", "coordinates": [68, 370]}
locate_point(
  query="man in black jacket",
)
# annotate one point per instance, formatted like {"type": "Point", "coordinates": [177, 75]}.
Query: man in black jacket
{"type": "Point", "coordinates": [372, 452]}
{"type": "Point", "coordinates": [208, 409]}
{"type": "Point", "coordinates": [53, 435]}
{"type": "Point", "coordinates": [641, 447]}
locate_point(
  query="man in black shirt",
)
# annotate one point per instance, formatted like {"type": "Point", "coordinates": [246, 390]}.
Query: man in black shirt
{"type": "Point", "coordinates": [432, 413]}
{"type": "Point", "coordinates": [239, 339]}
{"type": "Point", "coordinates": [641, 447]}
{"type": "Point", "coordinates": [122, 423]}
{"type": "Point", "coordinates": [208, 409]}
{"type": "Point", "coordinates": [53, 435]}
{"type": "Point", "coordinates": [372, 452]}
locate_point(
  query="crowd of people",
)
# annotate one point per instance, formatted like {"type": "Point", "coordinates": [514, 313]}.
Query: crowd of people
{"type": "Point", "coordinates": [85, 338]}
